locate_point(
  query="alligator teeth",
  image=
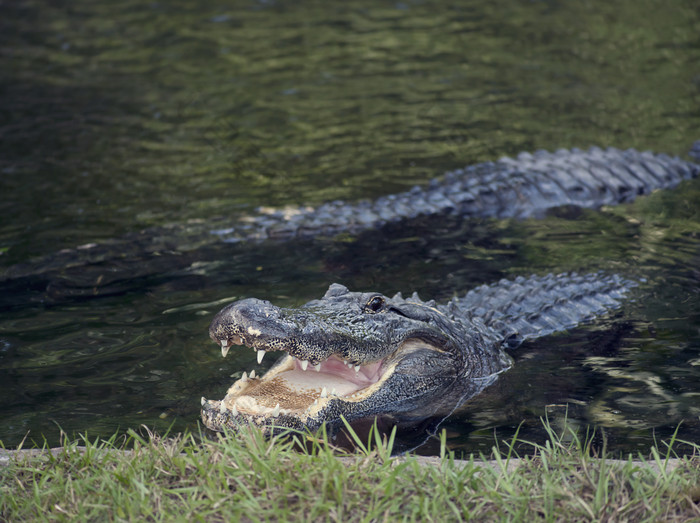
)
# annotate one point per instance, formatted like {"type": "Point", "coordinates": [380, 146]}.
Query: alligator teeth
{"type": "Point", "coordinates": [324, 393]}
{"type": "Point", "coordinates": [234, 410]}
{"type": "Point", "coordinates": [317, 367]}
{"type": "Point", "coordinates": [304, 364]}
{"type": "Point", "coordinates": [203, 401]}
{"type": "Point", "coordinates": [252, 374]}
{"type": "Point", "coordinates": [357, 369]}
{"type": "Point", "coordinates": [334, 392]}
{"type": "Point", "coordinates": [244, 378]}
{"type": "Point", "coordinates": [276, 411]}
{"type": "Point", "coordinates": [224, 348]}
{"type": "Point", "coordinates": [260, 355]}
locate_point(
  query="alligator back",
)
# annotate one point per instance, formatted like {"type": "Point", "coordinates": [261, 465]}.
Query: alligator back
{"type": "Point", "coordinates": [521, 187]}
{"type": "Point", "coordinates": [536, 306]}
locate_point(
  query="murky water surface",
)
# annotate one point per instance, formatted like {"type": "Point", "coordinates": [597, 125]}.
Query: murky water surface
{"type": "Point", "coordinates": [117, 117]}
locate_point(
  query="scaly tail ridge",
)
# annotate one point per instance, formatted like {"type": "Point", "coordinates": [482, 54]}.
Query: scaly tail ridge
{"type": "Point", "coordinates": [537, 306]}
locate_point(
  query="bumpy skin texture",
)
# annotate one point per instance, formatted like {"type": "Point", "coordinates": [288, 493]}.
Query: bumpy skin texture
{"type": "Point", "coordinates": [521, 187]}
{"type": "Point", "coordinates": [458, 346]}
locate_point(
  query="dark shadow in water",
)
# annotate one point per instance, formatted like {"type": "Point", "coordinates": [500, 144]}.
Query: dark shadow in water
{"type": "Point", "coordinates": [148, 260]}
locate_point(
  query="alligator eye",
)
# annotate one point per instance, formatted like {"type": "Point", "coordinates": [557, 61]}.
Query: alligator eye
{"type": "Point", "coordinates": [375, 303]}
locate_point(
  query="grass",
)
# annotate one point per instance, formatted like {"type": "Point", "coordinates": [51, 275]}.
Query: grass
{"type": "Point", "coordinates": [253, 478]}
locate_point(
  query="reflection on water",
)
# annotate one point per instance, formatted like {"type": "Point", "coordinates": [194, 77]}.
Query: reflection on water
{"type": "Point", "coordinates": [119, 117]}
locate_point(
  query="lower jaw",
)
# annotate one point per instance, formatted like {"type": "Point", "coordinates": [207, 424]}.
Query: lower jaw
{"type": "Point", "coordinates": [218, 422]}
{"type": "Point", "coordinates": [236, 410]}
{"type": "Point", "coordinates": [221, 420]}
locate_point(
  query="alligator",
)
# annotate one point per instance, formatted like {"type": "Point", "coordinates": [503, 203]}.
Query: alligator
{"type": "Point", "coordinates": [355, 355]}
{"type": "Point", "coordinates": [522, 187]}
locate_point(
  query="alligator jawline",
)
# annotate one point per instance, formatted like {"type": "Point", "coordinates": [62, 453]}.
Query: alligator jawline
{"type": "Point", "coordinates": [293, 388]}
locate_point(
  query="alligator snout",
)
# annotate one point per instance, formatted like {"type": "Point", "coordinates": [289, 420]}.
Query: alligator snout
{"type": "Point", "coordinates": [252, 322]}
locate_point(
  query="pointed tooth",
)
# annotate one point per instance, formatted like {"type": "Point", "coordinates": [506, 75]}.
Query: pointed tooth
{"type": "Point", "coordinates": [252, 374]}
{"type": "Point", "coordinates": [203, 401]}
{"type": "Point", "coordinates": [260, 355]}
{"type": "Point", "coordinates": [334, 392]}
{"type": "Point", "coordinates": [324, 393]}
{"type": "Point", "coordinates": [357, 369]}
{"type": "Point", "coordinates": [224, 348]}
{"type": "Point", "coordinates": [304, 364]}
{"type": "Point", "coordinates": [317, 367]}
{"type": "Point", "coordinates": [244, 378]}
{"type": "Point", "coordinates": [316, 401]}
{"type": "Point", "coordinates": [234, 410]}
{"type": "Point", "coordinates": [276, 411]}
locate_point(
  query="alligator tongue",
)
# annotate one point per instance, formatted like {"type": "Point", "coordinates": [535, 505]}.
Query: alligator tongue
{"type": "Point", "coordinates": [300, 381]}
{"type": "Point", "coordinates": [333, 374]}
{"type": "Point", "coordinates": [298, 389]}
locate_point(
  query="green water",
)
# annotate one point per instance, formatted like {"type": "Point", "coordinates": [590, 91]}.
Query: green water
{"type": "Point", "coordinates": [115, 117]}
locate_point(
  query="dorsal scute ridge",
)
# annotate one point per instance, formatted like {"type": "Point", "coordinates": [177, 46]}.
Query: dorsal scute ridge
{"type": "Point", "coordinates": [452, 309]}
{"type": "Point", "coordinates": [539, 305]}
{"type": "Point", "coordinates": [512, 187]}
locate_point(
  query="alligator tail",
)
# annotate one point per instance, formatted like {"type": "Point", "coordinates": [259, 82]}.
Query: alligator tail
{"type": "Point", "coordinates": [527, 308]}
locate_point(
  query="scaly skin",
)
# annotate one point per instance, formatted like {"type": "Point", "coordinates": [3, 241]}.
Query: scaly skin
{"type": "Point", "coordinates": [357, 355]}
{"type": "Point", "coordinates": [521, 187]}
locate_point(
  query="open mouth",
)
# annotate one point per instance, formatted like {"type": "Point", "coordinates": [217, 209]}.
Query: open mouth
{"type": "Point", "coordinates": [300, 389]}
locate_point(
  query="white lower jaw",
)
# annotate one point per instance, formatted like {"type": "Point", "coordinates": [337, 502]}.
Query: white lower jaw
{"type": "Point", "coordinates": [302, 394]}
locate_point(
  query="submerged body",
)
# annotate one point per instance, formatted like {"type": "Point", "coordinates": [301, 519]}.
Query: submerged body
{"type": "Point", "coordinates": [357, 355]}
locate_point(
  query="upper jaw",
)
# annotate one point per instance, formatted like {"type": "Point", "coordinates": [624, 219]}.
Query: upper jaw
{"type": "Point", "coordinates": [308, 336]}
{"type": "Point", "coordinates": [355, 355]}
{"type": "Point", "coordinates": [305, 354]}
{"type": "Point", "coordinates": [303, 334]}
{"type": "Point", "coordinates": [302, 363]}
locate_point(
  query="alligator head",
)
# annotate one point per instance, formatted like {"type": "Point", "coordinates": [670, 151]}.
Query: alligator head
{"type": "Point", "coordinates": [351, 354]}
